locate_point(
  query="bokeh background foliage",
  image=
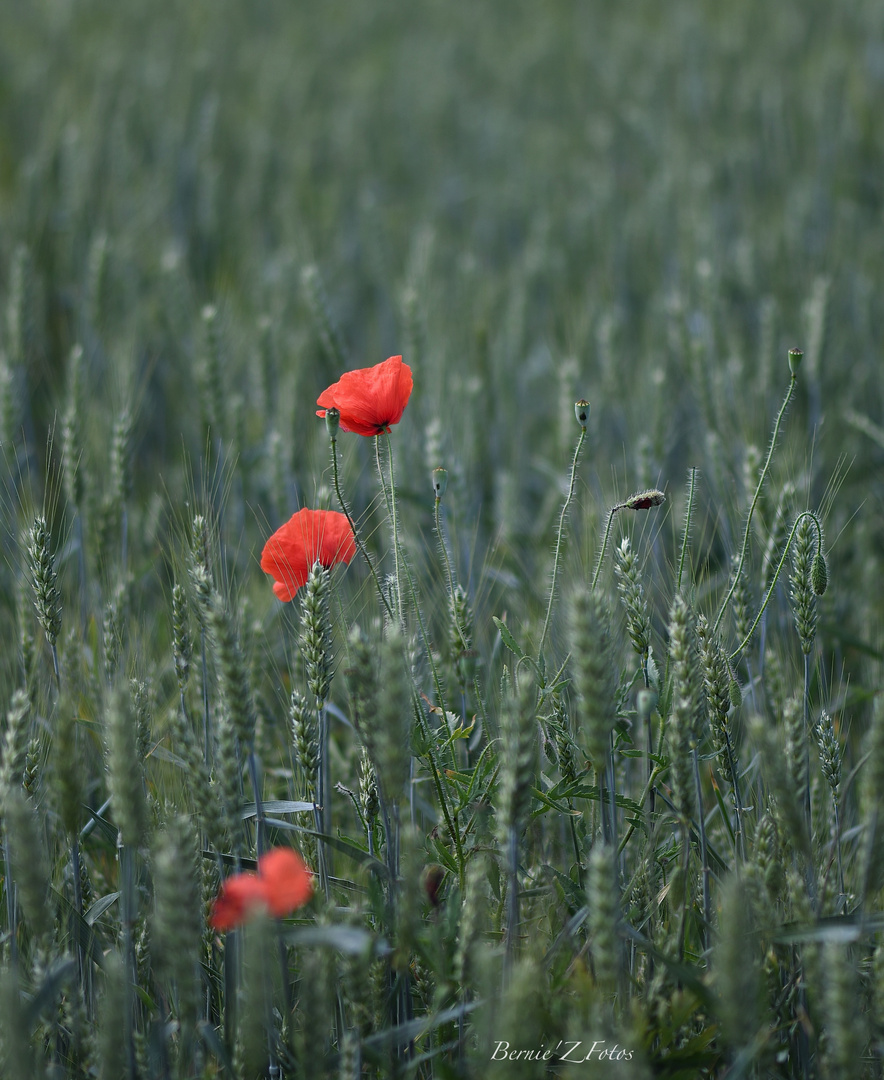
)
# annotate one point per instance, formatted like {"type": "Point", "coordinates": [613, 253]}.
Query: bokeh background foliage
{"type": "Point", "coordinates": [224, 205]}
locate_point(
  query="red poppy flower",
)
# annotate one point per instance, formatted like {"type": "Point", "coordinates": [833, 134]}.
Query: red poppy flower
{"type": "Point", "coordinates": [370, 399]}
{"type": "Point", "coordinates": [309, 536]}
{"type": "Point", "coordinates": [288, 882]}
{"type": "Point", "coordinates": [282, 884]}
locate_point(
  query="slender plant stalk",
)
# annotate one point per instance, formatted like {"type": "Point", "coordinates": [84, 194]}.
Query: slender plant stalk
{"type": "Point", "coordinates": [739, 808]}
{"type": "Point", "coordinates": [434, 768]}
{"type": "Point", "coordinates": [260, 826]}
{"type": "Point", "coordinates": [128, 899]}
{"type": "Point", "coordinates": [687, 527]}
{"type": "Point", "coordinates": [560, 535]}
{"type": "Point", "coordinates": [9, 889]}
{"type": "Point", "coordinates": [704, 852]}
{"type": "Point", "coordinates": [323, 797]}
{"type": "Point", "coordinates": [755, 498]}
{"type": "Point", "coordinates": [207, 720]}
{"type": "Point", "coordinates": [443, 546]}
{"type": "Point", "coordinates": [598, 565]}
{"type": "Point", "coordinates": [512, 897]}
{"type": "Point", "coordinates": [363, 550]}
{"type": "Point", "coordinates": [805, 513]}
{"type": "Point", "coordinates": [390, 499]}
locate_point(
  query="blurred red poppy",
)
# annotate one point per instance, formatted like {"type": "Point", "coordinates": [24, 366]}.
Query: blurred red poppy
{"type": "Point", "coordinates": [370, 399]}
{"type": "Point", "coordinates": [282, 884]}
{"type": "Point", "coordinates": [309, 536]}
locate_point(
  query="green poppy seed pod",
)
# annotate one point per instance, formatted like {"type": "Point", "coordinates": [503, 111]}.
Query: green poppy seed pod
{"type": "Point", "coordinates": [795, 358]}
{"type": "Point", "coordinates": [332, 421]}
{"type": "Point", "coordinates": [819, 574]}
{"type": "Point", "coordinates": [440, 482]}
{"type": "Point", "coordinates": [581, 411]}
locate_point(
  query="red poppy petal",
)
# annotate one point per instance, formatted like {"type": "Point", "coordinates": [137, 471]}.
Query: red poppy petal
{"type": "Point", "coordinates": [308, 536]}
{"type": "Point", "coordinates": [336, 542]}
{"type": "Point", "coordinates": [370, 399]}
{"type": "Point", "coordinates": [288, 881]}
{"type": "Point", "coordinates": [240, 895]}
{"type": "Point", "coordinates": [283, 592]}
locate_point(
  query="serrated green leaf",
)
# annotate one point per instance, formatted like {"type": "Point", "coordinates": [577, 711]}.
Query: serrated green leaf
{"type": "Point", "coordinates": [507, 638]}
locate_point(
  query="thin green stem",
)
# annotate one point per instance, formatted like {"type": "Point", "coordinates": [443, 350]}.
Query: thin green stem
{"type": "Point", "coordinates": [512, 898]}
{"type": "Point", "coordinates": [598, 565]}
{"type": "Point", "coordinates": [324, 798]}
{"type": "Point", "coordinates": [704, 852]}
{"type": "Point", "coordinates": [443, 547]}
{"type": "Point", "coordinates": [128, 900]}
{"type": "Point", "coordinates": [739, 834]}
{"type": "Point", "coordinates": [453, 830]}
{"type": "Point", "coordinates": [770, 590]}
{"type": "Point", "coordinates": [838, 847]}
{"type": "Point", "coordinates": [390, 499]}
{"type": "Point", "coordinates": [363, 551]}
{"type": "Point", "coordinates": [260, 827]}
{"type": "Point", "coordinates": [755, 498]}
{"type": "Point", "coordinates": [9, 889]}
{"type": "Point", "coordinates": [687, 528]}
{"type": "Point", "coordinates": [806, 741]}
{"type": "Point", "coordinates": [649, 789]}
{"type": "Point", "coordinates": [560, 535]}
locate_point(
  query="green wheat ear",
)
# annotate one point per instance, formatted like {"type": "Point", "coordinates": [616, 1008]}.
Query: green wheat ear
{"type": "Point", "coordinates": [803, 599]}
{"type": "Point", "coordinates": [590, 642]}
{"type": "Point", "coordinates": [604, 917]}
{"type": "Point", "coordinates": [177, 922]}
{"type": "Point", "coordinates": [125, 770]}
{"type": "Point", "coordinates": [29, 869]}
{"type": "Point", "coordinates": [638, 620]}
{"type": "Point", "coordinates": [316, 634]}
{"type": "Point", "coordinates": [44, 579]}
{"type": "Point", "coordinates": [736, 965]}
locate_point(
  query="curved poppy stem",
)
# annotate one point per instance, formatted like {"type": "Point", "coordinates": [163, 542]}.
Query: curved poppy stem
{"type": "Point", "coordinates": [776, 577]}
{"type": "Point", "coordinates": [363, 550]}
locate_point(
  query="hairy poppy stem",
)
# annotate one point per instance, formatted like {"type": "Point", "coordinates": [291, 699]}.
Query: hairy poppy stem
{"type": "Point", "coordinates": [776, 577]}
{"type": "Point", "coordinates": [443, 545]}
{"type": "Point", "coordinates": [560, 534]}
{"type": "Point", "coordinates": [598, 565]}
{"type": "Point", "coordinates": [689, 509]}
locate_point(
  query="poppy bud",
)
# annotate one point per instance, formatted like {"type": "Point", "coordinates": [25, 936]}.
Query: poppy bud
{"type": "Point", "coordinates": [581, 411]}
{"type": "Point", "coordinates": [332, 421]}
{"type": "Point", "coordinates": [643, 500]}
{"type": "Point", "coordinates": [795, 358]}
{"type": "Point", "coordinates": [440, 482]}
{"type": "Point", "coordinates": [819, 574]}
{"type": "Point", "coordinates": [735, 694]}
{"type": "Point", "coordinates": [433, 878]}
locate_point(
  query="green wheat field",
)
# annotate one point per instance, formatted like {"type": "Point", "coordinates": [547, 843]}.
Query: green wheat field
{"type": "Point", "coordinates": [584, 746]}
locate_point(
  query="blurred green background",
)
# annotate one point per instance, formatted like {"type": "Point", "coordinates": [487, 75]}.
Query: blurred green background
{"type": "Point", "coordinates": [640, 204]}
